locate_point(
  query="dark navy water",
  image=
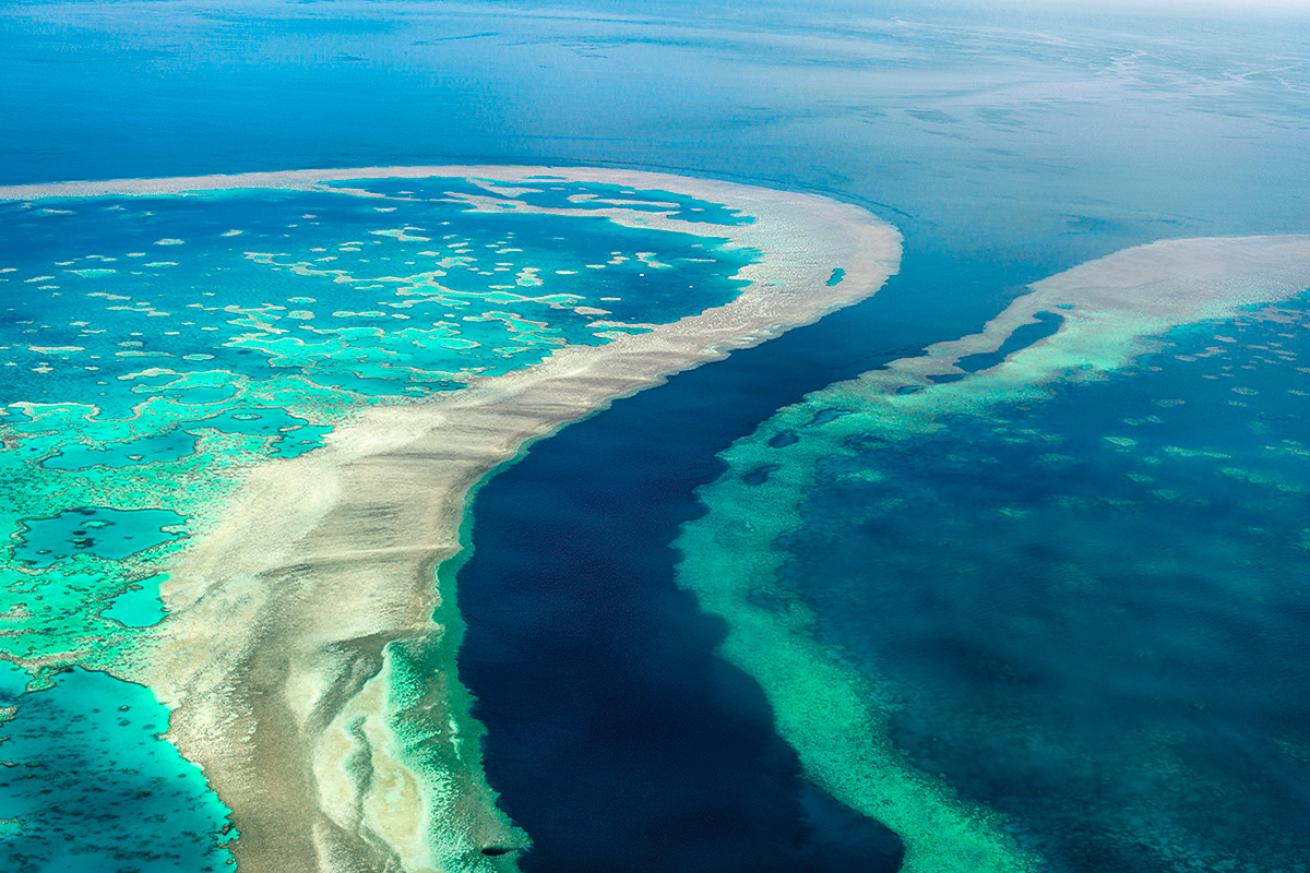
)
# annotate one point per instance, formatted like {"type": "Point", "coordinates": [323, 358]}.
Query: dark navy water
{"type": "Point", "coordinates": [1007, 145]}
{"type": "Point", "coordinates": [618, 738]}
{"type": "Point", "coordinates": [616, 735]}
{"type": "Point", "coordinates": [1023, 336]}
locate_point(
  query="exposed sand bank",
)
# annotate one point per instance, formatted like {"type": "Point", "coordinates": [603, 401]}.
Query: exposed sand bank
{"type": "Point", "coordinates": [290, 621]}
{"type": "Point", "coordinates": [836, 717]}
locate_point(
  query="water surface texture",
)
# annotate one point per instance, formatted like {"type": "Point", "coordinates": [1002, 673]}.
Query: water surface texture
{"type": "Point", "coordinates": [1067, 621]}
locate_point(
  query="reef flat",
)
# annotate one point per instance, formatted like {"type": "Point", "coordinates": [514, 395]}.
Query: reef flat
{"type": "Point", "coordinates": [250, 413]}
{"type": "Point", "coordinates": [824, 477]}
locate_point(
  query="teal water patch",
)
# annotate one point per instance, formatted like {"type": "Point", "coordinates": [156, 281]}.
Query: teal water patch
{"type": "Point", "coordinates": [838, 274]}
{"type": "Point", "coordinates": [139, 606]}
{"type": "Point", "coordinates": [1095, 600]}
{"type": "Point", "coordinates": [168, 446]}
{"type": "Point", "coordinates": [404, 295]}
{"type": "Point", "coordinates": [94, 530]}
{"type": "Point", "coordinates": [87, 783]}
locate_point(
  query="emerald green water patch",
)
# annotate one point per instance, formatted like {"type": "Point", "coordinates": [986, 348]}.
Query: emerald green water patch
{"type": "Point", "coordinates": [88, 783]}
{"type": "Point", "coordinates": [94, 530]}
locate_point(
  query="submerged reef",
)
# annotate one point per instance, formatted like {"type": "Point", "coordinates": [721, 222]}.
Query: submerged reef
{"type": "Point", "coordinates": [882, 550]}
{"type": "Point", "coordinates": [242, 416]}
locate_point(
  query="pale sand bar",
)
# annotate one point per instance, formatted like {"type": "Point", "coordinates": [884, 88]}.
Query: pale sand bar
{"type": "Point", "coordinates": [274, 658]}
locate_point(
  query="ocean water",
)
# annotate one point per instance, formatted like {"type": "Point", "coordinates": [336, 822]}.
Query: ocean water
{"type": "Point", "coordinates": [1097, 600]}
{"type": "Point", "coordinates": [1091, 594]}
{"type": "Point", "coordinates": [618, 740]}
{"type": "Point", "coordinates": [1007, 144]}
{"type": "Point", "coordinates": [156, 346]}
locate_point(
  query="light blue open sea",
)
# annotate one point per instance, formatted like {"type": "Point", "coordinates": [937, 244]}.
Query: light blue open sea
{"type": "Point", "coordinates": [1084, 616]}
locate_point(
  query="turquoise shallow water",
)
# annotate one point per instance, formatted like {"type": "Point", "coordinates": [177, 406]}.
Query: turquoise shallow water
{"type": "Point", "coordinates": [84, 766]}
{"type": "Point", "coordinates": [138, 606]}
{"type": "Point", "coordinates": [107, 533]}
{"type": "Point", "coordinates": [361, 295]}
{"type": "Point", "coordinates": [155, 346]}
{"type": "Point", "coordinates": [1008, 142]}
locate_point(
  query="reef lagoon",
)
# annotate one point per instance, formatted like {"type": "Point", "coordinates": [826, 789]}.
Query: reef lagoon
{"type": "Point", "coordinates": [685, 436]}
{"type": "Point", "coordinates": [259, 402]}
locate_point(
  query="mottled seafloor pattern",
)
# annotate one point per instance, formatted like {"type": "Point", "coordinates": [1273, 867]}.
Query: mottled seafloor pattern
{"type": "Point", "coordinates": [155, 346]}
{"type": "Point", "coordinates": [1060, 558]}
{"type": "Point", "coordinates": [1079, 622]}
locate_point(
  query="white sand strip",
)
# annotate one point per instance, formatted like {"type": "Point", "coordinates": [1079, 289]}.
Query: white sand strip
{"type": "Point", "coordinates": [277, 655]}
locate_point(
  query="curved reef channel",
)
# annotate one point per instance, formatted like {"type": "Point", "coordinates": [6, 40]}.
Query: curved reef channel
{"type": "Point", "coordinates": [945, 557]}
{"type": "Point", "coordinates": [246, 417]}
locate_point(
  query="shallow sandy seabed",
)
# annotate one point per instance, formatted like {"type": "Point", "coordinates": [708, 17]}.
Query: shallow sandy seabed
{"type": "Point", "coordinates": [293, 624]}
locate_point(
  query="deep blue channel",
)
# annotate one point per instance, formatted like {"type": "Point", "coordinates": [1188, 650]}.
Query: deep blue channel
{"type": "Point", "coordinates": [617, 737]}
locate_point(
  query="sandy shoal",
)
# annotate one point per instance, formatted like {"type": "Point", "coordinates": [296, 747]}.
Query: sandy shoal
{"type": "Point", "coordinates": [276, 653]}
